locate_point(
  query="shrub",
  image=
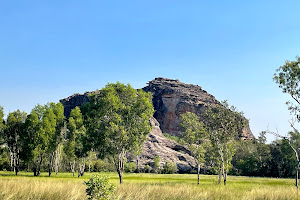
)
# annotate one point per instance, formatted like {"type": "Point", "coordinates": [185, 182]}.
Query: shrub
{"type": "Point", "coordinates": [156, 164]}
{"type": "Point", "coordinates": [98, 188]}
{"type": "Point", "coordinates": [147, 169]}
{"type": "Point", "coordinates": [170, 168]}
{"type": "Point", "coordinates": [130, 167]}
{"type": "Point", "coordinates": [102, 166]}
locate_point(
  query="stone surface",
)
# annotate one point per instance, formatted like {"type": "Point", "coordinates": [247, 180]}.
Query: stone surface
{"type": "Point", "coordinates": [75, 100]}
{"type": "Point", "coordinates": [171, 98]}
{"type": "Point", "coordinates": [167, 150]}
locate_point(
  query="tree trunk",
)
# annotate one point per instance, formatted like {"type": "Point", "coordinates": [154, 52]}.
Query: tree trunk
{"type": "Point", "coordinates": [137, 164]}
{"type": "Point", "coordinates": [198, 174]}
{"type": "Point", "coordinates": [16, 164]}
{"type": "Point", "coordinates": [11, 162]}
{"type": "Point", "coordinates": [297, 175]}
{"type": "Point", "coordinates": [72, 165]}
{"type": "Point", "coordinates": [89, 166]}
{"type": "Point", "coordinates": [120, 173]}
{"type": "Point", "coordinates": [57, 159]}
{"type": "Point", "coordinates": [225, 177]}
{"type": "Point", "coordinates": [81, 168]}
{"type": "Point", "coordinates": [220, 175]}
{"type": "Point", "coordinates": [121, 160]}
{"type": "Point", "coordinates": [39, 166]}
{"type": "Point", "coordinates": [50, 171]}
{"type": "Point", "coordinates": [34, 171]}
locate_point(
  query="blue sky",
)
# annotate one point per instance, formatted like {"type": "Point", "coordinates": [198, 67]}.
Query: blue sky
{"type": "Point", "coordinates": [52, 49]}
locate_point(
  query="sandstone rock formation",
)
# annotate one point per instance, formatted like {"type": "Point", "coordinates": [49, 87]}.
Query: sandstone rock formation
{"type": "Point", "coordinates": [75, 100]}
{"type": "Point", "coordinates": [171, 98]}
{"type": "Point", "coordinates": [167, 150]}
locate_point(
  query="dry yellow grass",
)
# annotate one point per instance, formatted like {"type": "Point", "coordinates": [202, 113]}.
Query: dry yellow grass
{"type": "Point", "coordinates": [148, 186]}
{"type": "Point", "coordinates": [31, 188]}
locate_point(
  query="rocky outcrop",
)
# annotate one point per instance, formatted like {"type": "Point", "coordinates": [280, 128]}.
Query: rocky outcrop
{"type": "Point", "coordinates": [167, 150]}
{"type": "Point", "coordinates": [75, 100]}
{"type": "Point", "coordinates": [171, 98]}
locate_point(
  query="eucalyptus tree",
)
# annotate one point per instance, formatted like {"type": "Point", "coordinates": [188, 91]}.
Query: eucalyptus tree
{"type": "Point", "coordinates": [13, 134]}
{"type": "Point", "coordinates": [117, 119]}
{"type": "Point", "coordinates": [195, 138]}
{"type": "Point", "coordinates": [287, 77]}
{"type": "Point", "coordinates": [224, 123]}
{"type": "Point", "coordinates": [293, 140]}
{"type": "Point", "coordinates": [74, 147]}
{"type": "Point", "coordinates": [56, 144]}
{"type": "Point", "coordinates": [44, 126]}
{"type": "Point", "coordinates": [36, 141]}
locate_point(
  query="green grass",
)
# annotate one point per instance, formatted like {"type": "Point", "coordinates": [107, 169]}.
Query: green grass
{"type": "Point", "coordinates": [147, 186]}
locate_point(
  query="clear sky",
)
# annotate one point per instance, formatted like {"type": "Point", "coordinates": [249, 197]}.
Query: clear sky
{"type": "Point", "coordinates": [52, 49]}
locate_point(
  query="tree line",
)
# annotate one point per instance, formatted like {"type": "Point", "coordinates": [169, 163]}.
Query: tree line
{"type": "Point", "coordinates": [115, 122]}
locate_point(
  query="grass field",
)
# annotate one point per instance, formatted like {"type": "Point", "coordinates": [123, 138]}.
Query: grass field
{"type": "Point", "coordinates": [147, 186]}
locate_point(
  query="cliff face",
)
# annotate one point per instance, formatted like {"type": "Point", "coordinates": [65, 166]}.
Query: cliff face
{"type": "Point", "coordinates": [75, 100]}
{"type": "Point", "coordinates": [171, 98]}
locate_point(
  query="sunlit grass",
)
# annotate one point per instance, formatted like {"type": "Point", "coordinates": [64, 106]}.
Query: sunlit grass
{"type": "Point", "coordinates": [146, 186]}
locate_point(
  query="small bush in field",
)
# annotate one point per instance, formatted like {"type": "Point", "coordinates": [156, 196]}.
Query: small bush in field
{"type": "Point", "coordinates": [147, 169]}
{"type": "Point", "coordinates": [170, 168]}
{"type": "Point", "coordinates": [130, 167]}
{"type": "Point", "coordinates": [98, 188]}
{"type": "Point", "coordinates": [156, 164]}
{"type": "Point", "coordinates": [102, 166]}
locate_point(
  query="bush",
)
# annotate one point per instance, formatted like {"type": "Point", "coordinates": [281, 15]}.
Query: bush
{"type": "Point", "coordinates": [130, 167]}
{"type": "Point", "coordinates": [156, 164]}
{"type": "Point", "coordinates": [170, 168]}
{"type": "Point", "coordinates": [98, 187]}
{"type": "Point", "coordinates": [147, 169]}
{"type": "Point", "coordinates": [102, 166]}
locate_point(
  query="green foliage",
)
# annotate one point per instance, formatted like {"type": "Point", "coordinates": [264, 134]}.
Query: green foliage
{"type": "Point", "coordinates": [195, 136]}
{"type": "Point", "coordinates": [147, 169]}
{"type": "Point", "coordinates": [130, 167]}
{"type": "Point", "coordinates": [13, 136]}
{"type": "Point", "coordinates": [44, 131]}
{"type": "Point", "coordinates": [170, 168]}
{"type": "Point", "coordinates": [288, 77]}
{"type": "Point", "coordinates": [99, 188]}
{"type": "Point", "coordinates": [223, 124]}
{"type": "Point", "coordinates": [4, 158]}
{"type": "Point", "coordinates": [174, 138]}
{"type": "Point", "coordinates": [117, 121]}
{"type": "Point", "coordinates": [156, 164]}
{"type": "Point", "coordinates": [118, 117]}
{"type": "Point", "coordinates": [74, 147]}
{"type": "Point", "coordinates": [102, 166]}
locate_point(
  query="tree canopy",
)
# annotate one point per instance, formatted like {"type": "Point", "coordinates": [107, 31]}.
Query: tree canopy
{"type": "Point", "coordinates": [117, 120]}
{"type": "Point", "coordinates": [288, 79]}
{"type": "Point", "coordinates": [195, 137]}
{"type": "Point", "coordinates": [224, 123]}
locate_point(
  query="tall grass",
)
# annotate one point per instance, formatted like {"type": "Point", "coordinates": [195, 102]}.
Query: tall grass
{"type": "Point", "coordinates": [148, 186]}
